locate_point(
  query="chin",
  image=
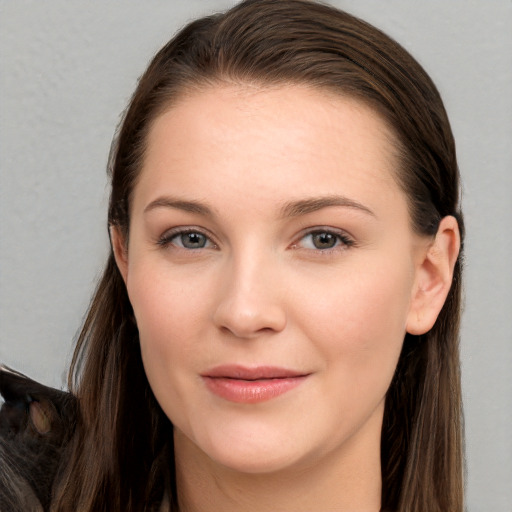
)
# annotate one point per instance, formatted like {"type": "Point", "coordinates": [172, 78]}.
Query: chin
{"type": "Point", "coordinates": [262, 451]}
{"type": "Point", "coordinates": [255, 461]}
{"type": "Point", "coordinates": [244, 448]}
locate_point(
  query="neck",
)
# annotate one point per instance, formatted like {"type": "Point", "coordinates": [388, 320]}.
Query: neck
{"type": "Point", "coordinates": [349, 479]}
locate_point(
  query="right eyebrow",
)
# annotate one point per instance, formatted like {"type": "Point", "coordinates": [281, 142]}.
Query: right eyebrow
{"type": "Point", "coordinates": [179, 204]}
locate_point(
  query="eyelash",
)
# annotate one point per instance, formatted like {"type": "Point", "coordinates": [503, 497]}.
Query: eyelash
{"type": "Point", "coordinates": [343, 241]}
{"type": "Point", "coordinates": [167, 238]}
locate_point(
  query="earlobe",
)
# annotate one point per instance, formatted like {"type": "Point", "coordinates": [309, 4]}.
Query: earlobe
{"type": "Point", "coordinates": [120, 249]}
{"type": "Point", "coordinates": [434, 276]}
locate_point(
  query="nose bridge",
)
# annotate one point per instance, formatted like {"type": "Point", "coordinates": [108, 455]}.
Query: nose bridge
{"type": "Point", "coordinates": [250, 299]}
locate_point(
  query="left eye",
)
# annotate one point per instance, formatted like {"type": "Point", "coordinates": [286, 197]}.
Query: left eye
{"type": "Point", "coordinates": [324, 240]}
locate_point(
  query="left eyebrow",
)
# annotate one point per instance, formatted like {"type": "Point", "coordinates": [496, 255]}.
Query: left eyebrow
{"type": "Point", "coordinates": [313, 204]}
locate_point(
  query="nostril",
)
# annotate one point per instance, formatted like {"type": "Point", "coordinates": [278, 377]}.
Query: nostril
{"type": "Point", "coordinates": [249, 325]}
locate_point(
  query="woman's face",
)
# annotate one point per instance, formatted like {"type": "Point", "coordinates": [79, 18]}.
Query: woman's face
{"type": "Point", "coordinates": [272, 268]}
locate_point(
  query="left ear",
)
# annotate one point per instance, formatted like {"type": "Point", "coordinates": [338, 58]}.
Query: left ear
{"type": "Point", "coordinates": [434, 276]}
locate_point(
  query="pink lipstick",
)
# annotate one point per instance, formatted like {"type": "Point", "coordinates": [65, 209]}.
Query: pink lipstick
{"type": "Point", "coordinates": [251, 385]}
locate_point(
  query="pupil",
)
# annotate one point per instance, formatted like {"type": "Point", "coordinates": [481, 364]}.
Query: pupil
{"type": "Point", "coordinates": [324, 240]}
{"type": "Point", "coordinates": [193, 240]}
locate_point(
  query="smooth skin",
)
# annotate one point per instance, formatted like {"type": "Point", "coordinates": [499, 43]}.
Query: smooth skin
{"type": "Point", "coordinates": [268, 229]}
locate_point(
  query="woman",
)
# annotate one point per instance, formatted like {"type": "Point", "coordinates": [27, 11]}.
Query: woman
{"type": "Point", "coordinates": [277, 324]}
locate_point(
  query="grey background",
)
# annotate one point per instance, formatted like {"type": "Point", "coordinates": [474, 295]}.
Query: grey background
{"type": "Point", "coordinates": [67, 70]}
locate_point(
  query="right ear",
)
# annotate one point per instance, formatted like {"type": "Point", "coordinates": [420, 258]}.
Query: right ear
{"type": "Point", "coordinates": [120, 248]}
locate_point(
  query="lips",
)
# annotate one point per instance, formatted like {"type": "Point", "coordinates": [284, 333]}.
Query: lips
{"type": "Point", "coordinates": [251, 385]}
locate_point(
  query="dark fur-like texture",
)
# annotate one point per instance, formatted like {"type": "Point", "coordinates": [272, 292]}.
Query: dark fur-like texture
{"type": "Point", "coordinates": [36, 423]}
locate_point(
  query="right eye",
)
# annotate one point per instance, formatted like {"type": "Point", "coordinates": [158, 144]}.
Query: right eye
{"type": "Point", "coordinates": [186, 239]}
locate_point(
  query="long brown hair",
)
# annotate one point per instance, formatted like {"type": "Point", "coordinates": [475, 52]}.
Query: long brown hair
{"type": "Point", "coordinates": [121, 457]}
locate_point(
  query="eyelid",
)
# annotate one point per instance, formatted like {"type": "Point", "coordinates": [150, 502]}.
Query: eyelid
{"type": "Point", "coordinates": [165, 239]}
{"type": "Point", "coordinates": [346, 240]}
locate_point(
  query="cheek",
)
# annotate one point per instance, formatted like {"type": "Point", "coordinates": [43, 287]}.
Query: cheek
{"type": "Point", "coordinates": [166, 306]}
{"type": "Point", "coordinates": [170, 320]}
{"type": "Point", "coordinates": [359, 322]}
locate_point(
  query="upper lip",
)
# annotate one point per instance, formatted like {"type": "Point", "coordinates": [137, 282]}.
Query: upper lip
{"type": "Point", "coordinates": [229, 371]}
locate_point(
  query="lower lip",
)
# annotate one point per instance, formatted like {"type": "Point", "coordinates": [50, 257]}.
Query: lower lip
{"type": "Point", "coordinates": [251, 391]}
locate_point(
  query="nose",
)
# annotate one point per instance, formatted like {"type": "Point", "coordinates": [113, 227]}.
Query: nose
{"type": "Point", "coordinates": [251, 300]}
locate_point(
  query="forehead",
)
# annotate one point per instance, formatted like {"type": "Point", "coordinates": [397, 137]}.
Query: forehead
{"type": "Point", "coordinates": [283, 138]}
{"type": "Point", "coordinates": [291, 108]}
